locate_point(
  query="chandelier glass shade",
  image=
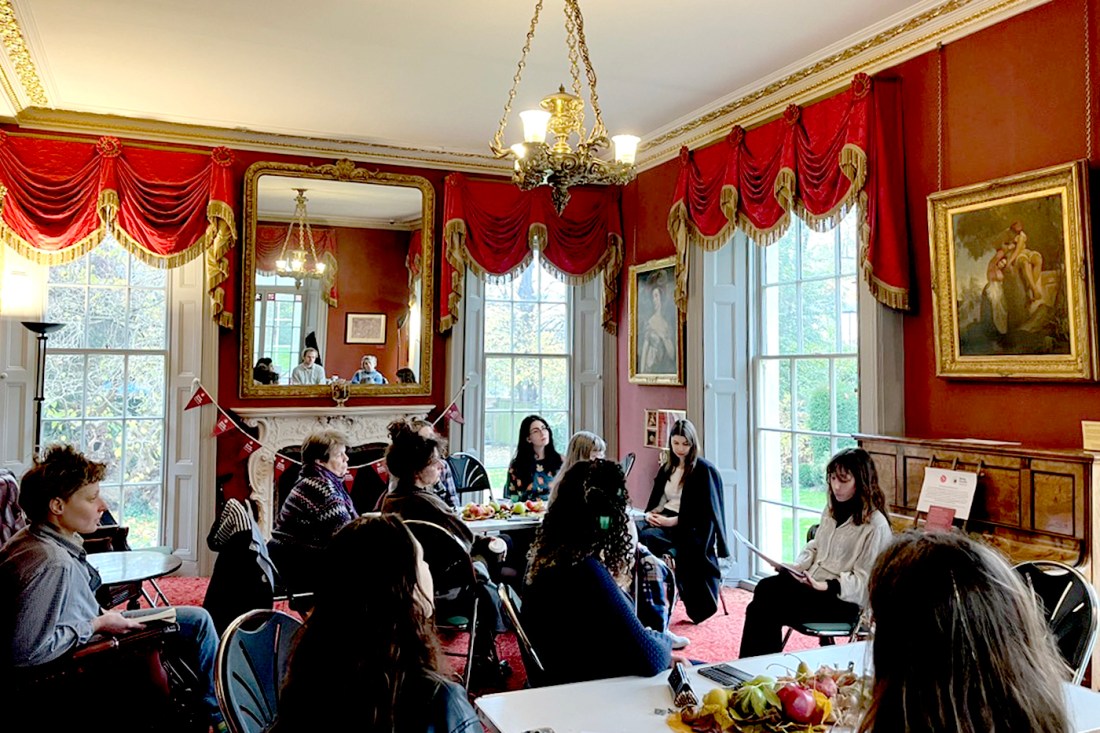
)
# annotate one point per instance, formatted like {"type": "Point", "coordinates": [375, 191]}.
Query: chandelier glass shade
{"type": "Point", "coordinates": [298, 257]}
{"type": "Point", "coordinates": [574, 156]}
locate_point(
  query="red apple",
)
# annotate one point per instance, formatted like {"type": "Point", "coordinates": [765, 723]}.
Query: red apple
{"type": "Point", "coordinates": [798, 702]}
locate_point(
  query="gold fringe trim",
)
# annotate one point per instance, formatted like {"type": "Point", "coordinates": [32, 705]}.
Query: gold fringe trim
{"type": "Point", "coordinates": [612, 270]}
{"type": "Point", "coordinates": [329, 279]}
{"type": "Point", "coordinates": [684, 232]}
{"type": "Point", "coordinates": [888, 295]}
{"type": "Point", "coordinates": [454, 240]}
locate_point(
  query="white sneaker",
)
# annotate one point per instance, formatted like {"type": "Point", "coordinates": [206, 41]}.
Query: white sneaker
{"type": "Point", "coordinates": [678, 642]}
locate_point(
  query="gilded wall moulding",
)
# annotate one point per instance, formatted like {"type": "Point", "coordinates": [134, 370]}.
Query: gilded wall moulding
{"type": "Point", "coordinates": [11, 35]}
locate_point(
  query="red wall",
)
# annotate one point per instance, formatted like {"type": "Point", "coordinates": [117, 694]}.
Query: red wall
{"type": "Point", "coordinates": [1014, 100]}
{"type": "Point", "coordinates": [646, 202]}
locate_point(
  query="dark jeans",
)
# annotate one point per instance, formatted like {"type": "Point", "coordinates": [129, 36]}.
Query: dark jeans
{"type": "Point", "coordinates": [657, 540]}
{"type": "Point", "coordinates": [782, 601]}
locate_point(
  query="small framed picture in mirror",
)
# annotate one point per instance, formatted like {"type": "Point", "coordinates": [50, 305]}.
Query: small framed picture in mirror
{"type": "Point", "coordinates": [366, 328]}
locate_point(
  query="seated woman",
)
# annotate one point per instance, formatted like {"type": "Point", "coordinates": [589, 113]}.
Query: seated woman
{"type": "Point", "coordinates": [47, 587]}
{"type": "Point", "coordinates": [959, 643]}
{"type": "Point", "coordinates": [830, 582]}
{"type": "Point", "coordinates": [684, 518]}
{"type": "Point", "coordinates": [309, 371]}
{"type": "Point", "coordinates": [371, 644]}
{"type": "Point", "coordinates": [535, 463]}
{"type": "Point", "coordinates": [583, 446]}
{"type": "Point", "coordinates": [264, 372]}
{"type": "Point", "coordinates": [368, 372]}
{"type": "Point", "coordinates": [317, 506]}
{"type": "Point", "coordinates": [581, 623]}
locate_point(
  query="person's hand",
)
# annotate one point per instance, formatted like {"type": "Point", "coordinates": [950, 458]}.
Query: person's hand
{"type": "Point", "coordinates": [656, 520]}
{"type": "Point", "coordinates": [113, 622]}
{"type": "Point", "coordinates": [676, 658]}
{"type": "Point", "coordinates": [819, 585]}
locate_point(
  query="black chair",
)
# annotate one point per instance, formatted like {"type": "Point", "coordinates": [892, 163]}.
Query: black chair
{"type": "Point", "coordinates": [248, 675]}
{"type": "Point", "coordinates": [627, 464]}
{"type": "Point", "coordinates": [455, 585]}
{"type": "Point", "coordinates": [470, 476]}
{"type": "Point", "coordinates": [1068, 603]}
{"type": "Point", "coordinates": [531, 662]}
{"type": "Point", "coordinates": [827, 632]}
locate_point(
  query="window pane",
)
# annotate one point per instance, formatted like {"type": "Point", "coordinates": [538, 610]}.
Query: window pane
{"type": "Point", "coordinates": [145, 387]}
{"type": "Point", "coordinates": [775, 466]}
{"type": "Point", "coordinates": [555, 326]}
{"type": "Point", "coordinates": [819, 317]}
{"type": "Point", "coordinates": [106, 324]}
{"type": "Point", "coordinates": [814, 398]}
{"type": "Point", "coordinates": [818, 253]}
{"type": "Point", "coordinates": [526, 328]}
{"type": "Point", "coordinates": [849, 317]}
{"type": "Point", "coordinates": [496, 290]}
{"type": "Point", "coordinates": [141, 510]}
{"type": "Point", "coordinates": [524, 287]}
{"type": "Point", "coordinates": [847, 396]}
{"type": "Point", "coordinates": [498, 327]}
{"type": "Point", "coordinates": [106, 380]}
{"type": "Point", "coordinates": [787, 249]}
{"type": "Point", "coordinates": [775, 393]}
{"type": "Point", "coordinates": [849, 245]}
{"type": "Point", "coordinates": [555, 384]}
{"type": "Point", "coordinates": [63, 431]}
{"type": "Point", "coordinates": [75, 272]}
{"type": "Point", "coordinates": [500, 440]}
{"type": "Point", "coordinates": [777, 532]}
{"type": "Point", "coordinates": [813, 456]}
{"type": "Point", "coordinates": [144, 450]}
{"type": "Point", "coordinates": [65, 377]}
{"type": "Point", "coordinates": [66, 305]}
{"type": "Point", "coordinates": [144, 276]}
{"type": "Point", "coordinates": [559, 426]}
{"type": "Point", "coordinates": [107, 264]}
{"type": "Point", "coordinates": [527, 385]}
{"type": "Point", "coordinates": [147, 321]}
{"type": "Point", "coordinates": [787, 319]}
{"type": "Point", "coordinates": [498, 383]}
{"type": "Point", "coordinates": [103, 443]}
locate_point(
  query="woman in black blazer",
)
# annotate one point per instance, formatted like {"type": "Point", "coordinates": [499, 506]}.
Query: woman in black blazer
{"type": "Point", "coordinates": [685, 518]}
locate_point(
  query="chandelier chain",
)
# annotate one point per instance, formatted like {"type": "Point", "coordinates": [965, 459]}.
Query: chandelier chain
{"type": "Point", "coordinates": [598, 130]}
{"type": "Point", "coordinates": [498, 138]}
{"type": "Point", "coordinates": [574, 68]}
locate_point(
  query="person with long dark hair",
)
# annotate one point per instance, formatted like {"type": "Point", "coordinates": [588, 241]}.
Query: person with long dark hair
{"type": "Point", "coordinates": [984, 659]}
{"type": "Point", "coordinates": [536, 461]}
{"type": "Point", "coordinates": [684, 519]}
{"type": "Point", "coordinates": [572, 607]}
{"type": "Point", "coordinates": [370, 642]}
{"type": "Point", "coordinates": [829, 582]}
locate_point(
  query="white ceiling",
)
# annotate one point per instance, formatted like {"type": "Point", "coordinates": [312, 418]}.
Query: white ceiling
{"type": "Point", "coordinates": [429, 75]}
{"type": "Point", "coordinates": [339, 203]}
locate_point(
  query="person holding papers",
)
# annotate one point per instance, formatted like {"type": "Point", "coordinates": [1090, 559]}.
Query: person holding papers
{"type": "Point", "coordinates": [828, 582]}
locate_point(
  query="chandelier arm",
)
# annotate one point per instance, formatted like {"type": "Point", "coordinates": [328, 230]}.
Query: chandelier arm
{"type": "Point", "coordinates": [598, 130]}
{"type": "Point", "coordinates": [498, 139]}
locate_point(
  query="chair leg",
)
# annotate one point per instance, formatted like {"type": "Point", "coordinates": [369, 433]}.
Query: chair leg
{"type": "Point", "coordinates": [785, 638]}
{"type": "Point", "coordinates": [722, 598]}
{"type": "Point", "coordinates": [472, 627]}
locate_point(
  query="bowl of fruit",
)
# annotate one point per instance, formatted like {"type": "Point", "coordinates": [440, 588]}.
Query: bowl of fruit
{"type": "Point", "coordinates": [802, 702]}
{"type": "Point", "coordinates": [502, 509]}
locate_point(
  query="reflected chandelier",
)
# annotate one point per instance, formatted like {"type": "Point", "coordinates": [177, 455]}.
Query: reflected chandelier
{"type": "Point", "coordinates": [303, 262]}
{"type": "Point", "coordinates": [536, 163]}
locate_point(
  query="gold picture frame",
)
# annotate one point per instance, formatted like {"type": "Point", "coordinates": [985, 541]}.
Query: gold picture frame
{"type": "Point", "coordinates": [656, 334]}
{"type": "Point", "coordinates": [1012, 277]}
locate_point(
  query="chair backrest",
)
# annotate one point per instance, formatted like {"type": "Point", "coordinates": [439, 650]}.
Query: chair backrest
{"type": "Point", "coordinates": [1068, 602]}
{"type": "Point", "coordinates": [252, 660]}
{"type": "Point", "coordinates": [469, 474]}
{"type": "Point", "coordinates": [531, 661]}
{"type": "Point", "coordinates": [451, 567]}
{"type": "Point", "coordinates": [627, 464]}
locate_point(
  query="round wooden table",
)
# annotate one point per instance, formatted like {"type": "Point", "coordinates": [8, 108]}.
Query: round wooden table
{"type": "Point", "coordinates": [134, 567]}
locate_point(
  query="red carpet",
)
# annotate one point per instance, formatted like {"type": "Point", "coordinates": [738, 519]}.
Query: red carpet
{"type": "Point", "coordinates": [715, 640]}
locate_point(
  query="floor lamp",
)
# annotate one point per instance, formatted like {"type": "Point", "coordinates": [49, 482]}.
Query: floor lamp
{"type": "Point", "coordinates": [43, 330]}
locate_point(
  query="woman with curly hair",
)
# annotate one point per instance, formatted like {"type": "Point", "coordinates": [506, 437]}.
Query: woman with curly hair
{"type": "Point", "coordinates": [960, 646]}
{"type": "Point", "coordinates": [572, 607]}
{"type": "Point", "coordinates": [370, 642]}
{"type": "Point", "coordinates": [536, 461]}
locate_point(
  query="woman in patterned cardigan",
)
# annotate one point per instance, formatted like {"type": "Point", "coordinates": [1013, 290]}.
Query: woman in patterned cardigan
{"type": "Point", "coordinates": [317, 507]}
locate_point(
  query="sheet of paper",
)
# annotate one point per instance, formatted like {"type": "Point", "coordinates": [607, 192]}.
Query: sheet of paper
{"type": "Point", "coordinates": [760, 553]}
{"type": "Point", "coordinates": [1090, 434]}
{"type": "Point", "coordinates": [946, 488]}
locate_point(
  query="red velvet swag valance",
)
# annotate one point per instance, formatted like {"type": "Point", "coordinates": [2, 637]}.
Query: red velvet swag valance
{"type": "Point", "coordinates": [492, 228]}
{"type": "Point", "coordinates": [817, 161]}
{"type": "Point", "coordinates": [61, 197]}
{"type": "Point", "coordinates": [269, 244]}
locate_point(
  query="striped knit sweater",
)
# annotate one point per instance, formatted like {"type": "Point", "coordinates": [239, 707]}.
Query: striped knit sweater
{"type": "Point", "coordinates": [313, 512]}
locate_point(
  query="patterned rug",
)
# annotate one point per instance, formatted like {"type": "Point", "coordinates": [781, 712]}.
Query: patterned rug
{"type": "Point", "coordinates": [715, 640]}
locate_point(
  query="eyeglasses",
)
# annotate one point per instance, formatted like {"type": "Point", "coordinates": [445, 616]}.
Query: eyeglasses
{"type": "Point", "coordinates": [539, 429]}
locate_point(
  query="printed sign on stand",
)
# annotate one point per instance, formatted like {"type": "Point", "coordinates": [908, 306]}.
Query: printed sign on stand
{"type": "Point", "coordinates": [949, 489]}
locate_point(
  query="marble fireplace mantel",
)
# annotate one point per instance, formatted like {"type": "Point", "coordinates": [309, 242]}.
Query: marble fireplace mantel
{"type": "Point", "coordinates": [280, 427]}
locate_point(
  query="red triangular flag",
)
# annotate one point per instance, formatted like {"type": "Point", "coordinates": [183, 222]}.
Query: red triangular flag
{"type": "Point", "coordinates": [222, 425]}
{"type": "Point", "coordinates": [282, 463]}
{"type": "Point", "coordinates": [200, 398]}
{"type": "Point", "coordinates": [379, 467]}
{"type": "Point", "coordinates": [452, 413]}
{"type": "Point", "coordinates": [250, 447]}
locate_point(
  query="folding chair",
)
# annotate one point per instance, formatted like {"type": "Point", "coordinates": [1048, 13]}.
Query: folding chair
{"type": "Point", "coordinates": [531, 661]}
{"type": "Point", "coordinates": [1068, 602]}
{"type": "Point", "coordinates": [251, 663]}
{"type": "Point", "coordinates": [470, 476]}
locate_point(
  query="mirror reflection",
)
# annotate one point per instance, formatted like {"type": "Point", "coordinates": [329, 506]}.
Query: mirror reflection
{"type": "Point", "coordinates": [337, 284]}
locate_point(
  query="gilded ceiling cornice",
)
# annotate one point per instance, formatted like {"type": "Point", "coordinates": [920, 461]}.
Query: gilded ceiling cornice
{"type": "Point", "coordinates": [11, 35]}
{"type": "Point", "coordinates": [945, 21]}
{"type": "Point", "coordinates": [833, 73]}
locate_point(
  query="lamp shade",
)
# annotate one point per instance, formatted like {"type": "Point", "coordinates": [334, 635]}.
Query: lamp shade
{"type": "Point", "coordinates": [626, 148]}
{"type": "Point", "coordinates": [534, 125]}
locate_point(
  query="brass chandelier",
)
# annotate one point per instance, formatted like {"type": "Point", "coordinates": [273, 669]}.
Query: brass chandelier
{"type": "Point", "coordinates": [536, 162]}
{"type": "Point", "coordinates": [303, 262]}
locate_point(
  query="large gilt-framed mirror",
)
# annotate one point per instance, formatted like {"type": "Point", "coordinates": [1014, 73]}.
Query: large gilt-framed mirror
{"type": "Point", "coordinates": [371, 297]}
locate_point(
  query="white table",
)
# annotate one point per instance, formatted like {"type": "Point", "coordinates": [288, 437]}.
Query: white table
{"type": "Point", "coordinates": [641, 704]}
